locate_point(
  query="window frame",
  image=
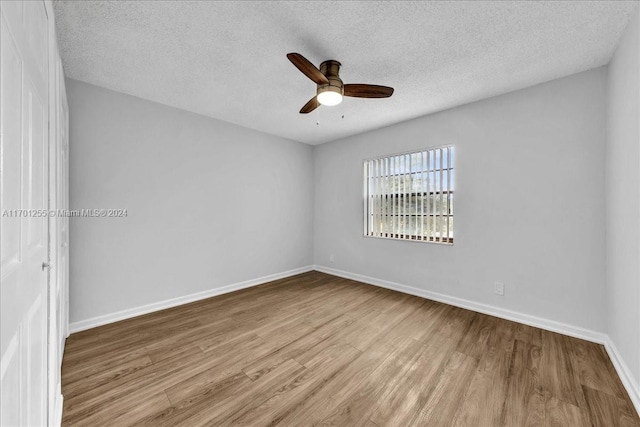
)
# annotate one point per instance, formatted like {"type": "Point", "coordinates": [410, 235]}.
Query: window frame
{"type": "Point", "coordinates": [448, 241]}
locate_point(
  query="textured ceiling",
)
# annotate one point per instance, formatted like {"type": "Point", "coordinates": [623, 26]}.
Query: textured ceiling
{"type": "Point", "coordinates": [227, 59]}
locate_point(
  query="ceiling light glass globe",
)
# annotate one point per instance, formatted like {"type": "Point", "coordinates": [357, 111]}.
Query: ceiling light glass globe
{"type": "Point", "coordinates": [329, 98]}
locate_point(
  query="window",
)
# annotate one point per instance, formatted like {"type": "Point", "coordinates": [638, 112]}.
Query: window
{"type": "Point", "coordinates": [410, 196]}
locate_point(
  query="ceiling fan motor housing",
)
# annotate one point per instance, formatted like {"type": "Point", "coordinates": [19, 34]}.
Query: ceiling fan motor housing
{"type": "Point", "coordinates": [331, 70]}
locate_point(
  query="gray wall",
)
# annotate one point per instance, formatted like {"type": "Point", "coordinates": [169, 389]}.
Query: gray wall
{"type": "Point", "coordinates": [209, 203]}
{"type": "Point", "coordinates": [529, 206]}
{"type": "Point", "coordinates": [623, 198]}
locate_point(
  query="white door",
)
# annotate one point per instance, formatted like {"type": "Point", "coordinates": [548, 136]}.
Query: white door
{"type": "Point", "coordinates": [23, 201]}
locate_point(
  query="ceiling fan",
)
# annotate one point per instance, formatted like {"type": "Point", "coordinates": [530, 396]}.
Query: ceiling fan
{"type": "Point", "coordinates": [330, 87]}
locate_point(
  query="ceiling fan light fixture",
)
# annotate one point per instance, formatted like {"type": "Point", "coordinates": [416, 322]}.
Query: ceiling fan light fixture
{"type": "Point", "coordinates": [330, 96]}
{"type": "Point", "coordinates": [330, 88]}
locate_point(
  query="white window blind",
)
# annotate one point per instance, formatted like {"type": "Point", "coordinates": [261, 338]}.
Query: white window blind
{"type": "Point", "coordinates": [410, 196]}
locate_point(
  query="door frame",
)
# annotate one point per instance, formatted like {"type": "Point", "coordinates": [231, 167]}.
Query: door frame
{"type": "Point", "coordinates": [57, 307]}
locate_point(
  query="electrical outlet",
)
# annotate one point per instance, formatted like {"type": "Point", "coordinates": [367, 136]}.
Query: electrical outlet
{"type": "Point", "coordinates": [498, 288]}
{"type": "Point", "coordinates": [332, 258]}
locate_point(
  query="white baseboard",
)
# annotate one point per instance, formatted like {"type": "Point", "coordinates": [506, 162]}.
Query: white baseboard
{"type": "Point", "coordinates": [149, 308]}
{"type": "Point", "coordinates": [629, 382]}
{"type": "Point", "coordinates": [538, 322]}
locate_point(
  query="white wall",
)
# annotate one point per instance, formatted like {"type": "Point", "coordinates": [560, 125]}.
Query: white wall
{"type": "Point", "coordinates": [623, 199]}
{"type": "Point", "coordinates": [209, 203]}
{"type": "Point", "coordinates": [529, 206]}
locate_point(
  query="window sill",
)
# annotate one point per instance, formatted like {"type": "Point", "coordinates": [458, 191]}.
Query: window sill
{"type": "Point", "coordinates": [448, 242]}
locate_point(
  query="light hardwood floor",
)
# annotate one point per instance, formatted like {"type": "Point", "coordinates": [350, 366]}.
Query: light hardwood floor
{"type": "Point", "coordinates": [318, 349]}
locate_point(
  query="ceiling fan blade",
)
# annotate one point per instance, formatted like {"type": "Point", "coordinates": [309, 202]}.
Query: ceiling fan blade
{"type": "Point", "coordinates": [307, 68]}
{"type": "Point", "coordinates": [367, 91]}
{"type": "Point", "coordinates": [310, 106]}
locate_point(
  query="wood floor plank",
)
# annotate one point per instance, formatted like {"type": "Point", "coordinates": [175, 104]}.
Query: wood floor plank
{"type": "Point", "coordinates": [296, 347]}
{"type": "Point", "coordinates": [112, 364]}
{"type": "Point", "coordinates": [593, 368]}
{"type": "Point", "coordinates": [84, 404]}
{"type": "Point", "coordinates": [128, 412]}
{"type": "Point", "coordinates": [362, 326]}
{"type": "Point", "coordinates": [559, 413]}
{"type": "Point", "coordinates": [165, 347]}
{"type": "Point", "coordinates": [607, 410]}
{"type": "Point", "coordinates": [356, 407]}
{"type": "Point", "coordinates": [198, 401]}
{"type": "Point", "coordinates": [317, 349]}
{"type": "Point", "coordinates": [377, 326]}
{"type": "Point", "coordinates": [105, 376]}
{"type": "Point", "coordinates": [401, 405]}
{"type": "Point", "coordinates": [227, 409]}
{"type": "Point", "coordinates": [221, 368]}
{"type": "Point", "coordinates": [130, 342]}
{"type": "Point", "coordinates": [425, 322]}
{"type": "Point", "coordinates": [484, 401]}
{"type": "Point", "coordinates": [528, 334]}
{"type": "Point", "coordinates": [526, 400]}
{"type": "Point", "coordinates": [555, 365]}
{"type": "Point", "coordinates": [319, 370]}
{"type": "Point", "coordinates": [474, 340]}
{"type": "Point", "coordinates": [323, 401]}
{"type": "Point", "coordinates": [447, 395]}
